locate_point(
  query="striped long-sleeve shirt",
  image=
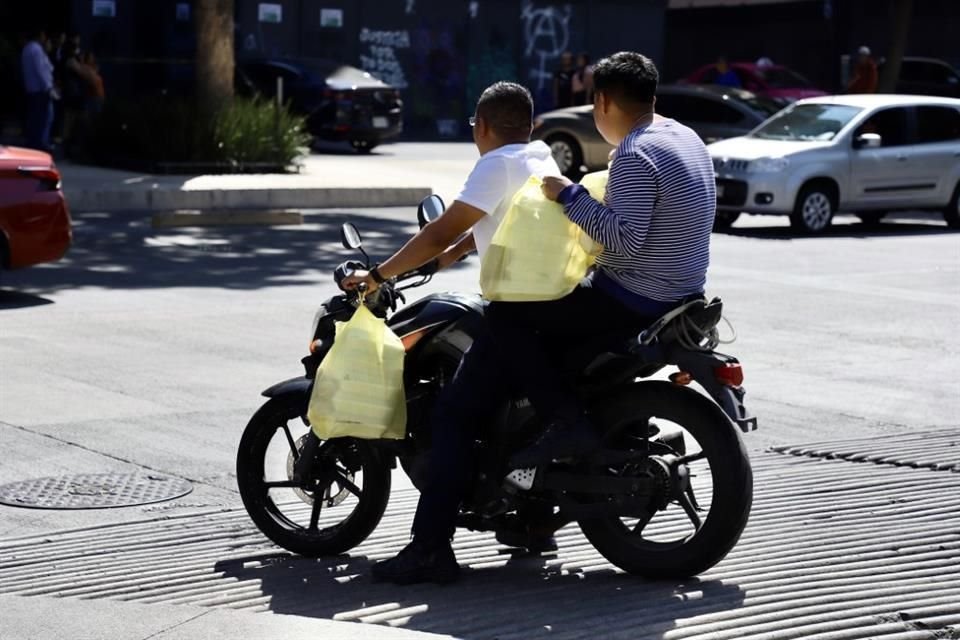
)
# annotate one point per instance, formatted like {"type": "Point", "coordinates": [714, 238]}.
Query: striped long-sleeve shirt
{"type": "Point", "coordinates": [656, 222]}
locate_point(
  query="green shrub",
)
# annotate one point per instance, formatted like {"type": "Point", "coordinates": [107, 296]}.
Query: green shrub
{"type": "Point", "coordinates": [165, 131]}
{"type": "Point", "coordinates": [251, 131]}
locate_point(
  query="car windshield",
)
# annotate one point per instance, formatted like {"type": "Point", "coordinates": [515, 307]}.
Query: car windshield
{"type": "Point", "coordinates": [783, 78]}
{"type": "Point", "coordinates": [807, 122]}
{"type": "Point", "coordinates": [765, 106]}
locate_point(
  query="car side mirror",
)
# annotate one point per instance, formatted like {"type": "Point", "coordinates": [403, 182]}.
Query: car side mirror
{"type": "Point", "coordinates": [868, 141]}
{"type": "Point", "coordinates": [350, 237]}
{"type": "Point", "coordinates": [429, 210]}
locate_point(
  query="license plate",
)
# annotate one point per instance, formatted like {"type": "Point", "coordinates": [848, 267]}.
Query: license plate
{"type": "Point", "coordinates": [719, 190]}
{"type": "Point", "coordinates": [380, 122]}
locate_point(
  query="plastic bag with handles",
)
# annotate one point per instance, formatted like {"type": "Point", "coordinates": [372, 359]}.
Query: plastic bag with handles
{"type": "Point", "coordinates": [358, 391]}
{"type": "Point", "coordinates": [536, 253]}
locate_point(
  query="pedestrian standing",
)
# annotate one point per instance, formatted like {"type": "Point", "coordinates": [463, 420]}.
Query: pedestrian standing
{"type": "Point", "coordinates": [582, 81]}
{"type": "Point", "coordinates": [726, 76]}
{"type": "Point", "coordinates": [95, 90]}
{"type": "Point", "coordinates": [563, 82]}
{"type": "Point", "coordinates": [37, 73]}
{"type": "Point", "coordinates": [865, 77]}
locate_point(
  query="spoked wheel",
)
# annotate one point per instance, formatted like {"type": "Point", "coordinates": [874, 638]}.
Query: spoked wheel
{"type": "Point", "coordinates": [333, 508]}
{"type": "Point", "coordinates": [703, 478]}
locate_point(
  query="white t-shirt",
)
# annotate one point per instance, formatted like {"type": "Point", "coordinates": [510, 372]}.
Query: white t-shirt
{"type": "Point", "coordinates": [496, 177]}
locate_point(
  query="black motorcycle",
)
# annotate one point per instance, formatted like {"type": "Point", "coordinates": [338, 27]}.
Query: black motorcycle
{"type": "Point", "coordinates": [666, 496]}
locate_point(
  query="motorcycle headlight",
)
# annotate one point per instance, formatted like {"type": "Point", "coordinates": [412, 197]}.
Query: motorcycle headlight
{"type": "Point", "coordinates": [768, 165]}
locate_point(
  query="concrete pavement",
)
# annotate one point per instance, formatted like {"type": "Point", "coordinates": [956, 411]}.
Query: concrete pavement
{"type": "Point", "coordinates": [145, 351]}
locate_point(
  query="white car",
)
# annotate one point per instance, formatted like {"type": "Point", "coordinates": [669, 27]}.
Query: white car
{"type": "Point", "coordinates": [866, 154]}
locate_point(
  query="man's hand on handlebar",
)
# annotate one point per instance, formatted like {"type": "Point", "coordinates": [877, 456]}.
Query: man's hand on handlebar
{"type": "Point", "coordinates": [357, 278]}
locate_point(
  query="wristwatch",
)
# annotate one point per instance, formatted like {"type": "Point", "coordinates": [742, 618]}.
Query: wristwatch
{"type": "Point", "coordinates": [375, 274]}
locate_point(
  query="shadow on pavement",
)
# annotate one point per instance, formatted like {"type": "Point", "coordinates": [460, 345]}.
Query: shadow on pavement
{"type": "Point", "coordinates": [18, 300]}
{"type": "Point", "coordinates": [521, 599]}
{"type": "Point", "coordinates": [854, 230]}
{"type": "Point", "coordinates": [123, 251]}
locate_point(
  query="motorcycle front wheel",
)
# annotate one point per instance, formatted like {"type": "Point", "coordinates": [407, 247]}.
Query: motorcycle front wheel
{"type": "Point", "coordinates": [691, 532]}
{"type": "Point", "coordinates": [330, 511]}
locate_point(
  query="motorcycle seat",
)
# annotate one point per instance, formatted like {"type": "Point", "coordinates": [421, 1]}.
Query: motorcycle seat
{"type": "Point", "coordinates": [616, 356]}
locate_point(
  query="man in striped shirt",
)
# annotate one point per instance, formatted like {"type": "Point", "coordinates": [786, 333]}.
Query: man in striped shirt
{"type": "Point", "coordinates": [655, 227]}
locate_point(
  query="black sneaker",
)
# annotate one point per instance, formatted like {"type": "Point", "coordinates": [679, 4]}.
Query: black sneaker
{"type": "Point", "coordinates": [529, 540]}
{"type": "Point", "coordinates": [560, 440]}
{"type": "Point", "coordinates": [419, 562]}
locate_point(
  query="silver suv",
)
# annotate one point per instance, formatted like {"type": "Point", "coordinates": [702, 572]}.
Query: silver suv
{"type": "Point", "coordinates": [867, 154]}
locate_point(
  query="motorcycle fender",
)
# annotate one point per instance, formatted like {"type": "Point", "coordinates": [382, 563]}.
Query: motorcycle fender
{"type": "Point", "coordinates": [293, 387]}
{"type": "Point", "coordinates": [730, 399]}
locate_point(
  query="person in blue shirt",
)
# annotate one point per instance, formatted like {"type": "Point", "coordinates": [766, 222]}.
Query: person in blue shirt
{"type": "Point", "coordinates": [726, 76]}
{"type": "Point", "coordinates": [37, 72]}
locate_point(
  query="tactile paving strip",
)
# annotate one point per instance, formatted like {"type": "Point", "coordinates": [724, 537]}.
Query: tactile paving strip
{"type": "Point", "coordinates": [939, 449]}
{"type": "Point", "coordinates": [833, 551]}
{"type": "Point", "coordinates": [93, 491]}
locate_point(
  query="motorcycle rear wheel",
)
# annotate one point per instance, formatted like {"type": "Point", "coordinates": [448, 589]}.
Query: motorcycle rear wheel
{"type": "Point", "coordinates": [318, 519]}
{"type": "Point", "coordinates": [671, 543]}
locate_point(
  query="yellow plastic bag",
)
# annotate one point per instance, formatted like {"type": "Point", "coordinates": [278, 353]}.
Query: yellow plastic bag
{"type": "Point", "coordinates": [536, 253]}
{"type": "Point", "coordinates": [358, 391]}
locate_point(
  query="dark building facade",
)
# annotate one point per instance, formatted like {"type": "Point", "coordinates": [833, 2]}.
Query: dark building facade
{"type": "Point", "coordinates": [440, 53]}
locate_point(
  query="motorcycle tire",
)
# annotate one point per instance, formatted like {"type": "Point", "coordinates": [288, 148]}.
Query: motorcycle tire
{"type": "Point", "coordinates": [268, 515]}
{"type": "Point", "coordinates": [732, 476]}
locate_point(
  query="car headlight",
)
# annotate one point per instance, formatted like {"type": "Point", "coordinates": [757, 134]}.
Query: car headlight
{"type": "Point", "coordinates": [768, 165]}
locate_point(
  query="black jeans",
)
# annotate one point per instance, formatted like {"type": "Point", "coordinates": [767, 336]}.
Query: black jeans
{"type": "Point", "coordinates": [467, 404]}
{"type": "Point", "coordinates": [535, 337]}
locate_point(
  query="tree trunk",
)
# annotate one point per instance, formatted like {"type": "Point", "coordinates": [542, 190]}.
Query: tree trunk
{"type": "Point", "coordinates": [901, 15]}
{"type": "Point", "coordinates": [214, 60]}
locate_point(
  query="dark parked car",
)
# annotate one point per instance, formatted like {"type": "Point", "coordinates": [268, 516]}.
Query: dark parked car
{"type": "Point", "coordinates": [713, 112]}
{"type": "Point", "coordinates": [928, 77]}
{"type": "Point", "coordinates": [340, 102]}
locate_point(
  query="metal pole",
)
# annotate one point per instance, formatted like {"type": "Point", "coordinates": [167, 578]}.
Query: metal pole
{"type": "Point", "coordinates": [276, 113]}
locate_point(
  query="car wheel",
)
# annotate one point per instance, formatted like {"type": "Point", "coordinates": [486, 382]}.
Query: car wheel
{"type": "Point", "coordinates": [724, 220]}
{"type": "Point", "coordinates": [951, 215]}
{"type": "Point", "coordinates": [363, 146]}
{"type": "Point", "coordinates": [566, 152]}
{"type": "Point", "coordinates": [814, 208]}
{"type": "Point", "coordinates": [871, 218]}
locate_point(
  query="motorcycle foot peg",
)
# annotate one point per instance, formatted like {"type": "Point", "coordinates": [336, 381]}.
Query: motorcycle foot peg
{"type": "Point", "coordinates": [521, 479]}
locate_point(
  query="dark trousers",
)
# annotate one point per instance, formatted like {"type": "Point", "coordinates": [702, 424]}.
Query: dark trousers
{"type": "Point", "coordinates": [466, 405]}
{"type": "Point", "coordinates": [538, 337]}
{"type": "Point", "coordinates": [39, 120]}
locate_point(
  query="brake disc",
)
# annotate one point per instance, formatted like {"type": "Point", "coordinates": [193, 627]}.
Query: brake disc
{"type": "Point", "coordinates": [331, 499]}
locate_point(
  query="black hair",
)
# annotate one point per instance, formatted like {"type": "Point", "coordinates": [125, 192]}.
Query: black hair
{"type": "Point", "coordinates": [507, 108]}
{"type": "Point", "coordinates": [628, 78]}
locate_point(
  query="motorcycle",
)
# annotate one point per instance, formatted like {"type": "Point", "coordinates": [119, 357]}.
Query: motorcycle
{"type": "Point", "coordinates": [666, 496]}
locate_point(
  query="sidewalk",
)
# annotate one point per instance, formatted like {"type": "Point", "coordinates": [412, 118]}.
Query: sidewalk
{"type": "Point", "coordinates": [37, 618]}
{"type": "Point", "coordinates": [325, 181]}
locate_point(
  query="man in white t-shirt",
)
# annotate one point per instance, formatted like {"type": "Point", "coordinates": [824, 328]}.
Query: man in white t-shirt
{"type": "Point", "coordinates": [501, 131]}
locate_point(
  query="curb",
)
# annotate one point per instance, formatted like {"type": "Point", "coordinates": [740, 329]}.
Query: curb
{"type": "Point", "coordinates": [165, 200]}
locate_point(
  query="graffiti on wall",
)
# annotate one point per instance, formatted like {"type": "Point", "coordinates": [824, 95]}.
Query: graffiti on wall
{"type": "Point", "coordinates": [546, 34]}
{"type": "Point", "coordinates": [380, 55]}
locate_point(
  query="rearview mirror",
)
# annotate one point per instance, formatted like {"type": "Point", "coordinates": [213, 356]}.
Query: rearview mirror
{"type": "Point", "coordinates": [429, 210]}
{"type": "Point", "coordinates": [349, 236]}
{"type": "Point", "coordinates": [868, 141]}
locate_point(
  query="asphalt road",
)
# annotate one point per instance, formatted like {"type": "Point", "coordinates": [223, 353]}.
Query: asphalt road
{"type": "Point", "coordinates": [146, 350]}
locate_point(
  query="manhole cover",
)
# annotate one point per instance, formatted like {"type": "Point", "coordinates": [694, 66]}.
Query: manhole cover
{"type": "Point", "coordinates": [93, 491]}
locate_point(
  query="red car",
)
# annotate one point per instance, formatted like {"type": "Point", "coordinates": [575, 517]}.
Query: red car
{"type": "Point", "coordinates": [771, 81]}
{"type": "Point", "coordinates": [34, 219]}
